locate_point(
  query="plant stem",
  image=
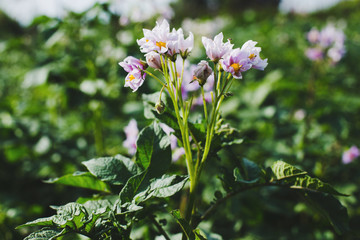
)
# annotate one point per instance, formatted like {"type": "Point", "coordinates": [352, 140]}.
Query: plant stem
{"type": "Point", "coordinates": [155, 77]}
{"type": "Point", "coordinates": [204, 102]}
{"type": "Point", "coordinates": [172, 85]}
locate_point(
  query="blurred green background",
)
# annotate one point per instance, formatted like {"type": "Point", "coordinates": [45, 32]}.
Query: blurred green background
{"type": "Point", "coordinates": [62, 101]}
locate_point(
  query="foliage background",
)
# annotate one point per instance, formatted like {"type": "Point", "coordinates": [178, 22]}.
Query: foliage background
{"type": "Point", "coordinates": [63, 102]}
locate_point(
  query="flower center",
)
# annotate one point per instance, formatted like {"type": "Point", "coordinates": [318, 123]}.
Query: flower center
{"type": "Point", "coordinates": [161, 44]}
{"type": "Point", "coordinates": [236, 66]}
{"type": "Point", "coordinates": [252, 56]}
{"type": "Point", "coordinates": [131, 77]}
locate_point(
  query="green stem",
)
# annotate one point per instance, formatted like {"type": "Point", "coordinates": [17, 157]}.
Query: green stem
{"type": "Point", "coordinates": [204, 102]}
{"type": "Point", "coordinates": [182, 121]}
{"type": "Point", "coordinates": [155, 77]}
{"type": "Point", "coordinates": [199, 165]}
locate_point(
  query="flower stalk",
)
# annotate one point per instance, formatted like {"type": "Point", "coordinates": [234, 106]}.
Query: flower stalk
{"type": "Point", "coordinates": [166, 52]}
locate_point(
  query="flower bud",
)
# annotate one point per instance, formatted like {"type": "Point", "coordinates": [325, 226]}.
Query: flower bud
{"type": "Point", "coordinates": [173, 57]}
{"type": "Point", "coordinates": [160, 107]}
{"type": "Point", "coordinates": [202, 72]}
{"type": "Point", "coordinates": [153, 60]}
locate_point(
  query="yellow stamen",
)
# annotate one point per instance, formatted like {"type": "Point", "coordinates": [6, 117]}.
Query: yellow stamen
{"type": "Point", "coordinates": [252, 56]}
{"type": "Point", "coordinates": [236, 66]}
{"type": "Point", "coordinates": [147, 40]}
{"type": "Point", "coordinates": [161, 44]}
{"type": "Point", "coordinates": [131, 77]}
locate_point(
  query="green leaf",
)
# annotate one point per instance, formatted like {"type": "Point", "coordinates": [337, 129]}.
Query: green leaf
{"type": "Point", "coordinates": [250, 173]}
{"type": "Point", "coordinates": [96, 209]}
{"type": "Point", "coordinates": [330, 208]}
{"type": "Point", "coordinates": [153, 147]}
{"type": "Point", "coordinates": [82, 180]}
{"type": "Point", "coordinates": [47, 221]}
{"type": "Point", "coordinates": [45, 234]}
{"type": "Point", "coordinates": [282, 170]}
{"type": "Point", "coordinates": [131, 188]}
{"type": "Point", "coordinates": [185, 226]}
{"type": "Point", "coordinates": [198, 235]}
{"type": "Point", "coordinates": [315, 184]}
{"type": "Point", "coordinates": [97, 206]}
{"type": "Point", "coordinates": [163, 187]}
{"type": "Point", "coordinates": [167, 185]}
{"type": "Point", "coordinates": [72, 215]}
{"type": "Point", "coordinates": [287, 174]}
{"type": "Point", "coordinates": [115, 170]}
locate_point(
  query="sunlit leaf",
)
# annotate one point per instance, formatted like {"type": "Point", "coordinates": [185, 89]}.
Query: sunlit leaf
{"type": "Point", "coordinates": [115, 170]}
{"type": "Point", "coordinates": [46, 234]}
{"type": "Point", "coordinates": [283, 170]}
{"type": "Point", "coordinates": [295, 178]}
{"type": "Point", "coordinates": [82, 180]}
{"type": "Point", "coordinates": [95, 209]}
{"type": "Point", "coordinates": [163, 187]}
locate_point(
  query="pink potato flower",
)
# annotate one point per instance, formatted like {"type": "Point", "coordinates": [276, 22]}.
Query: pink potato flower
{"type": "Point", "coordinates": [350, 154]}
{"type": "Point", "coordinates": [241, 60]}
{"type": "Point", "coordinates": [327, 42]}
{"type": "Point", "coordinates": [136, 74]}
{"type": "Point", "coordinates": [162, 41]}
{"type": "Point", "coordinates": [314, 54]}
{"type": "Point", "coordinates": [236, 63]}
{"type": "Point", "coordinates": [185, 45]}
{"type": "Point", "coordinates": [216, 49]}
{"type": "Point", "coordinates": [134, 80]}
{"type": "Point", "coordinates": [131, 132]}
{"type": "Point", "coordinates": [155, 39]}
{"type": "Point", "coordinates": [254, 55]}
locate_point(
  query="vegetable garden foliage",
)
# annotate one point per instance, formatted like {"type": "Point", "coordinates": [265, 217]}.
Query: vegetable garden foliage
{"type": "Point", "coordinates": [146, 186]}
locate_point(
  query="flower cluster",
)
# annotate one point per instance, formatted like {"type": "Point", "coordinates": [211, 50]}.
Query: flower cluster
{"type": "Point", "coordinates": [234, 61]}
{"type": "Point", "coordinates": [350, 154]}
{"type": "Point", "coordinates": [160, 43]}
{"type": "Point", "coordinates": [160, 40]}
{"type": "Point", "coordinates": [327, 42]}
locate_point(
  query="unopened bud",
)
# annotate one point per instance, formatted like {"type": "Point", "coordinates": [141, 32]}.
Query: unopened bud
{"type": "Point", "coordinates": [153, 60]}
{"type": "Point", "coordinates": [202, 72]}
{"type": "Point", "coordinates": [160, 107]}
{"type": "Point", "coordinates": [173, 57]}
{"type": "Point", "coordinates": [184, 54]}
